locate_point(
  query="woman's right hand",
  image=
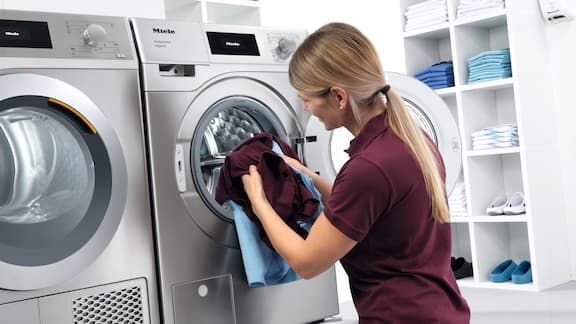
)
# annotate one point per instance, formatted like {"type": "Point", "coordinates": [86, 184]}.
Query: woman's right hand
{"type": "Point", "coordinates": [295, 164]}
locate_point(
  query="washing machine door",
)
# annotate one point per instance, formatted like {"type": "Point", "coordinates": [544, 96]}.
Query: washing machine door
{"type": "Point", "coordinates": [62, 181]}
{"type": "Point", "coordinates": [224, 114]}
{"type": "Point", "coordinates": [324, 151]}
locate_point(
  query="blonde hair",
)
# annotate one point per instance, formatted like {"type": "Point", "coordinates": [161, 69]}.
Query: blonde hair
{"type": "Point", "coordinates": [338, 54]}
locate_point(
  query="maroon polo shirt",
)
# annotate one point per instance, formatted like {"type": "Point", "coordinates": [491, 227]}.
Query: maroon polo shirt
{"type": "Point", "coordinates": [400, 268]}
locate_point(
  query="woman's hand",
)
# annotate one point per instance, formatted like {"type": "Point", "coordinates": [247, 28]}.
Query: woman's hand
{"type": "Point", "coordinates": [253, 186]}
{"type": "Point", "coordinates": [295, 164]}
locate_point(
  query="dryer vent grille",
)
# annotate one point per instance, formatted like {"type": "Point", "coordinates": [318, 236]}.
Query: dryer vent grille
{"type": "Point", "coordinates": [115, 307]}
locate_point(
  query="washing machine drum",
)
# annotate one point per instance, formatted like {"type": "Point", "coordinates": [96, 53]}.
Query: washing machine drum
{"type": "Point", "coordinates": [41, 178]}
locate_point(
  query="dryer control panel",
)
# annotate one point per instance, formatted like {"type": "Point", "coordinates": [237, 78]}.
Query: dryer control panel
{"type": "Point", "coordinates": [56, 36]}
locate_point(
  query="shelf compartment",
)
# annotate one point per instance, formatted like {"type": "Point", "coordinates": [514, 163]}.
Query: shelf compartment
{"type": "Point", "coordinates": [461, 246]}
{"type": "Point", "coordinates": [490, 176]}
{"type": "Point", "coordinates": [500, 242]}
{"type": "Point", "coordinates": [486, 108]}
{"type": "Point", "coordinates": [423, 52]}
{"type": "Point", "coordinates": [475, 38]}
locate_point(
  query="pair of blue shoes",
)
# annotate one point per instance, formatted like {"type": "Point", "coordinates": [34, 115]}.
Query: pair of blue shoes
{"type": "Point", "coordinates": [521, 273]}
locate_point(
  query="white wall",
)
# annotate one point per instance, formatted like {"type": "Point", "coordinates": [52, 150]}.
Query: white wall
{"type": "Point", "coordinates": [125, 8]}
{"type": "Point", "coordinates": [379, 20]}
{"type": "Point", "coordinates": [562, 51]}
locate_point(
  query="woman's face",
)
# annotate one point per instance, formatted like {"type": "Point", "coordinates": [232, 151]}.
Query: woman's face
{"type": "Point", "coordinates": [323, 108]}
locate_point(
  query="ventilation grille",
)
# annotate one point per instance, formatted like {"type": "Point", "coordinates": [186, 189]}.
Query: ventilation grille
{"type": "Point", "coordinates": [115, 307]}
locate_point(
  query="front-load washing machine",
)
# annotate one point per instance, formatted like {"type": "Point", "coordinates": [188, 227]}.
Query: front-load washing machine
{"type": "Point", "coordinates": [76, 242]}
{"type": "Point", "coordinates": [207, 88]}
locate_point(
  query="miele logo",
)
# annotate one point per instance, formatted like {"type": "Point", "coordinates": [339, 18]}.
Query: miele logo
{"type": "Point", "coordinates": [163, 31]}
{"type": "Point", "coordinates": [233, 44]}
{"type": "Point", "coordinates": [10, 33]}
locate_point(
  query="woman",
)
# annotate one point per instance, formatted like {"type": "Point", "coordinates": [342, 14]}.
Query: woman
{"type": "Point", "coordinates": [386, 215]}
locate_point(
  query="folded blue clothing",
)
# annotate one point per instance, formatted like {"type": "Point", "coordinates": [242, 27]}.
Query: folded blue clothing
{"type": "Point", "coordinates": [263, 265]}
{"type": "Point", "coordinates": [505, 52]}
{"type": "Point", "coordinates": [488, 78]}
{"type": "Point", "coordinates": [490, 67]}
{"type": "Point", "coordinates": [437, 79]}
{"type": "Point", "coordinates": [436, 86]}
{"type": "Point", "coordinates": [486, 59]}
{"type": "Point", "coordinates": [438, 67]}
{"type": "Point", "coordinates": [434, 73]}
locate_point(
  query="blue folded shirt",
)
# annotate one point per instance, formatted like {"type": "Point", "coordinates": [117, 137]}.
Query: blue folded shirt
{"type": "Point", "coordinates": [263, 265]}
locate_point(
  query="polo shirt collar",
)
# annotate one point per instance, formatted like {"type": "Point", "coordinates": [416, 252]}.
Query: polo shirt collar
{"type": "Point", "coordinates": [375, 126]}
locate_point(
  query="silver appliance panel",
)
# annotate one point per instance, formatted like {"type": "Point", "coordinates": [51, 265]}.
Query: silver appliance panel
{"type": "Point", "coordinates": [87, 78]}
{"type": "Point", "coordinates": [199, 259]}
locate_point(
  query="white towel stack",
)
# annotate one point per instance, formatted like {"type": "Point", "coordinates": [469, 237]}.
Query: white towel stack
{"type": "Point", "coordinates": [427, 13]}
{"type": "Point", "coordinates": [457, 201]}
{"type": "Point", "coordinates": [500, 136]}
{"type": "Point", "coordinates": [467, 8]}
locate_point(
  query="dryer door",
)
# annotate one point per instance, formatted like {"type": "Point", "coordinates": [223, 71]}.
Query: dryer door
{"type": "Point", "coordinates": [62, 182]}
{"type": "Point", "coordinates": [324, 151]}
{"type": "Point", "coordinates": [223, 115]}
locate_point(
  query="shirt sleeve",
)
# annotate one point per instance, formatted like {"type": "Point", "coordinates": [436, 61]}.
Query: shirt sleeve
{"type": "Point", "coordinates": [360, 194]}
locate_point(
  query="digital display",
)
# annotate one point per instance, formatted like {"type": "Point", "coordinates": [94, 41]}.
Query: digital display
{"type": "Point", "coordinates": [232, 44]}
{"type": "Point", "coordinates": [25, 34]}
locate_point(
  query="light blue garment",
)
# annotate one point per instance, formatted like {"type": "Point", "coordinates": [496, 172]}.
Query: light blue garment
{"type": "Point", "coordinates": [263, 265]}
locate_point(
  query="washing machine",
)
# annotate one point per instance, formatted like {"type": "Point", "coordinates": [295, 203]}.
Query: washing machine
{"type": "Point", "coordinates": [207, 88]}
{"type": "Point", "coordinates": [76, 241]}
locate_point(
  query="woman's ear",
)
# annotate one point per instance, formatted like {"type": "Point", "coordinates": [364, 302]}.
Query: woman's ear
{"type": "Point", "coordinates": [341, 96]}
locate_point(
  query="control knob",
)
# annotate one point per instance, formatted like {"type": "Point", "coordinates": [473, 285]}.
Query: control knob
{"type": "Point", "coordinates": [286, 46]}
{"type": "Point", "coordinates": [94, 34]}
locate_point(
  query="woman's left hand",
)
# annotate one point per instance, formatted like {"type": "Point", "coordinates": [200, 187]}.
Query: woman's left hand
{"type": "Point", "coordinates": [253, 185]}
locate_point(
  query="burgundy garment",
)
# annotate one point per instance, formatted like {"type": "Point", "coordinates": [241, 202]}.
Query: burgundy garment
{"type": "Point", "coordinates": [400, 268]}
{"type": "Point", "coordinates": [283, 187]}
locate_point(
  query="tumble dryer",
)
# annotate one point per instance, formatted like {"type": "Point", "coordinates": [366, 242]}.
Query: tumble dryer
{"type": "Point", "coordinates": [76, 242]}
{"type": "Point", "coordinates": [206, 88]}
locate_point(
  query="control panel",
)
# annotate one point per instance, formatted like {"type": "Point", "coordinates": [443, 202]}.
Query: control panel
{"type": "Point", "coordinates": [58, 35]}
{"type": "Point", "coordinates": [283, 45]}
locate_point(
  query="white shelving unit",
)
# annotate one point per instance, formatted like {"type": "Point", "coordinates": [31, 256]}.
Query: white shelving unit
{"type": "Point", "coordinates": [533, 168]}
{"type": "Point", "coordinates": [229, 12]}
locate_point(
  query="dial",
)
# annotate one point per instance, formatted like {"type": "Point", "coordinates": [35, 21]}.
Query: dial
{"type": "Point", "coordinates": [285, 47]}
{"type": "Point", "coordinates": [94, 34]}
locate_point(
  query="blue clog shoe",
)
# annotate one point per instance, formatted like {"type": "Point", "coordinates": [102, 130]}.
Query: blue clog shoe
{"type": "Point", "coordinates": [523, 273]}
{"type": "Point", "coordinates": [503, 271]}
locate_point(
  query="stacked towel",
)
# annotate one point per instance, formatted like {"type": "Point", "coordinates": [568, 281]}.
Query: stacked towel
{"type": "Point", "coordinates": [424, 14]}
{"type": "Point", "coordinates": [490, 65]}
{"type": "Point", "coordinates": [495, 137]}
{"type": "Point", "coordinates": [437, 76]}
{"type": "Point", "coordinates": [467, 8]}
{"type": "Point", "coordinates": [457, 201]}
